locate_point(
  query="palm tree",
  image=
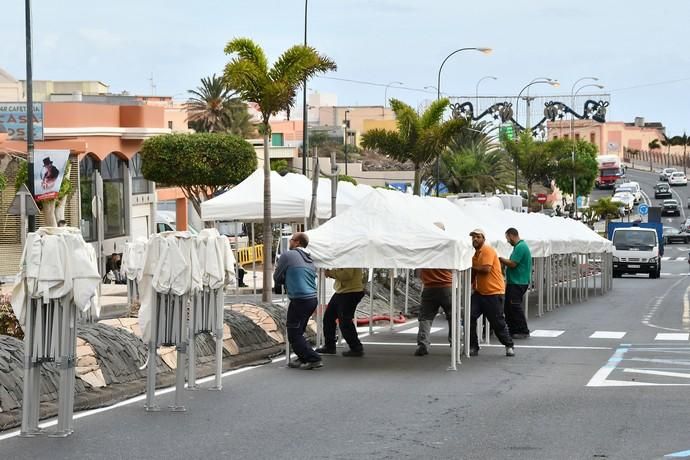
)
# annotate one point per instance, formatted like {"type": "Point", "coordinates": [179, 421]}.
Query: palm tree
{"type": "Point", "coordinates": [533, 159]}
{"type": "Point", "coordinates": [418, 139]}
{"type": "Point", "coordinates": [607, 209]}
{"type": "Point", "coordinates": [480, 166]}
{"type": "Point", "coordinates": [273, 90]}
{"type": "Point", "coordinates": [212, 108]}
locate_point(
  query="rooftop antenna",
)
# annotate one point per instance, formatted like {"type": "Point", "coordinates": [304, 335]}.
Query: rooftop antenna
{"type": "Point", "coordinates": [153, 85]}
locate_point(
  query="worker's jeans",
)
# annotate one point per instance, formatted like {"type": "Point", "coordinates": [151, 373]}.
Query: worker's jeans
{"type": "Point", "coordinates": [515, 314]}
{"type": "Point", "coordinates": [342, 308]}
{"type": "Point", "coordinates": [432, 299]}
{"type": "Point", "coordinates": [298, 314]}
{"type": "Point", "coordinates": [491, 306]}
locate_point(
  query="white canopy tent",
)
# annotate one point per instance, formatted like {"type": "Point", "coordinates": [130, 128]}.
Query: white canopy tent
{"type": "Point", "coordinates": [393, 232]}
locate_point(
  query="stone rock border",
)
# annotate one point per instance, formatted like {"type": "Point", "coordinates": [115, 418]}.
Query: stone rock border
{"type": "Point", "coordinates": [110, 353]}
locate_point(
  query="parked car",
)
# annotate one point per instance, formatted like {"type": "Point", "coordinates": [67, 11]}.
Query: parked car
{"type": "Point", "coordinates": [662, 190]}
{"type": "Point", "coordinates": [665, 173]}
{"type": "Point", "coordinates": [673, 235]}
{"type": "Point", "coordinates": [631, 187]}
{"type": "Point", "coordinates": [678, 178]}
{"type": "Point", "coordinates": [626, 199]}
{"type": "Point", "coordinates": [670, 207]}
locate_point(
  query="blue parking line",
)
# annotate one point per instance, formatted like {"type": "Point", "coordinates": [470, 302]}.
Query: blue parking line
{"type": "Point", "coordinates": [682, 454]}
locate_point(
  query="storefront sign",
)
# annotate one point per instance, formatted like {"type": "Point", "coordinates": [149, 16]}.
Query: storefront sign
{"type": "Point", "coordinates": [13, 118]}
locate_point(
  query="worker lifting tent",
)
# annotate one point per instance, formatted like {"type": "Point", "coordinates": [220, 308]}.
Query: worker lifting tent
{"type": "Point", "coordinates": [385, 234]}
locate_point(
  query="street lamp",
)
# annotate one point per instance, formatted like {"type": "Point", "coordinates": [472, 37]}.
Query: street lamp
{"type": "Point", "coordinates": [347, 126]}
{"type": "Point", "coordinates": [438, 96]}
{"type": "Point", "coordinates": [573, 93]}
{"type": "Point", "coordinates": [476, 89]}
{"type": "Point", "coordinates": [305, 114]}
{"type": "Point", "coordinates": [547, 81]}
{"type": "Point", "coordinates": [385, 96]}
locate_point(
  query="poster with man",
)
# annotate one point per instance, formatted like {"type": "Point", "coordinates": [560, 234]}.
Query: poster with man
{"type": "Point", "coordinates": [49, 169]}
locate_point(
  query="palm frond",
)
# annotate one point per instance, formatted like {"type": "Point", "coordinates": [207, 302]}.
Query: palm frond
{"type": "Point", "coordinates": [298, 63]}
{"type": "Point", "coordinates": [248, 50]}
{"type": "Point", "coordinates": [434, 113]}
{"type": "Point", "coordinates": [388, 143]}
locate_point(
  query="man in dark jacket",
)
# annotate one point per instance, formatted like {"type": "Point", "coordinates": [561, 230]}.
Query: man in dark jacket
{"type": "Point", "coordinates": [296, 271]}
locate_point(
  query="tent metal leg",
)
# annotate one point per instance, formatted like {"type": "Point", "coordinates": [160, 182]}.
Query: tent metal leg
{"type": "Point", "coordinates": [30, 403]}
{"type": "Point", "coordinates": [180, 303]}
{"type": "Point", "coordinates": [407, 290]}
{"type": "Point", "coordinates": [391, 296]}
{"type": "Point", "coordinates": [454, 323]}
{"type": "Point", "coordinates": [197, 304]}
{"type": "Point", "coordinates": [467, 294]}
{"type": "Point", "coordinates": [371, 301]}
{"type": "Point", "coordinates": [150, 405]}
{"type": "Point", "coordinates": [218, 333]}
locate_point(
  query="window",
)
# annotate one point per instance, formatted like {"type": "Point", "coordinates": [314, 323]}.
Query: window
{"type": "Point", "coordinates": [113, 172]}
{"type": "Point", "coordinates": [87, 168]}
{"type": "Point", "coordinates": [139, 183]}
{"type": "Point", "coordinates": [555, 136]}
{"type": "Point", "coordinates": [170, 124]}
{"type": "Point", "coordinates": [592, 138]}
{"type": "Point", "coordinates": [577, 136]}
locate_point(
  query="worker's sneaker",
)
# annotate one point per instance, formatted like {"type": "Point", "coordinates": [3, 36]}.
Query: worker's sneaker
{"type": "Point", "coordinates": [520, 336]}
{"type": "Point", "coordinates": [474, 351]}
{"type": "Point", "coordinates": [311, 365]}
{"type": "Point", "coordinates": [510, 351]}
{"type": "Point", "coordinates": [294, 364]}
{"type": "Point", "coordinates": [421, 351]}
{"type": "Point", "coordinates": [325, 350]}
{"type": "Point", "coordinates": [353, 353]}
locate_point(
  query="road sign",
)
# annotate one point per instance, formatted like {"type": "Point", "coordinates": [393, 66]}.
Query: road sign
{"type": "Point", "coordinates": [643, 209]}
{"type": "Point", "coordinates": [23, 200]}
{"type": "Point", "coordinates": [541, 198]}
{"type": "Point", "coordinates": [507, 131]}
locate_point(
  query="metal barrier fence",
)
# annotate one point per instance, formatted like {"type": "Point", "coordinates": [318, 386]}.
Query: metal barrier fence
{"type": "Point", "coordinates": [251, 254]}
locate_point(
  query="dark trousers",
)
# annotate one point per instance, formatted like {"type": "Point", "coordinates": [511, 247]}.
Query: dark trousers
{"type": "Point", "coordinates": [298, 314]}
{"type": "Point", "coordinates": [515, 314]}
{"type": "Point", "coordinates": [342, 308]}
{"type": "Point", "coordinates": [491, 306]}
{"type": "Point", "coordinates": [432, 299]}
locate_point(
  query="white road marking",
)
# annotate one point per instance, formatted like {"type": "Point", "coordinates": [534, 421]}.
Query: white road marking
{"type": "Point", "coordinates": [672, 336]}
{"type": "Point", "coordinates": [413, 330]}
{"type": "Point", "coordinates": [545, 333]}
{"type": "Point", "coordinates": [646, 320]}
{"type": "Point", "coordinates": [685, 319]}
{"type": "Point", "coordinates": [681, 375]}
{"type": "Point", "coordinates": [607, 335]}
{"type": "Point", "coordinates": [600, 378]}
{"type": "Point", "coordinates": [680, 202]}
{"type": "Point", "coordinates": [445, 346]}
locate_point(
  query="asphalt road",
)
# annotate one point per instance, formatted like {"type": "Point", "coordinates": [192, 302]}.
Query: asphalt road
{"type": "Point", "coordinates": [596, 380]}
{"type": "Point", "coordinates": [605, 379]}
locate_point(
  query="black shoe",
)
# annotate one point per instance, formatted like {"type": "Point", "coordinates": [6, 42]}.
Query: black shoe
{"type": "Point", "coordinates": [353, 353]}
{"type": "Point", "coordinates": [421, 351]}
{"type": "Point", "coordinates": [294, 364]}
{"type": "Point", "coordinates": [311, 365]}
{"type": "Point", "coordinates": [325, 351]}
{"type": "Point", "coordinates": [520, 336]}
{"type": "Point", "coordinates": [474, 351]}
{"type": "Point", "coordinates": [243, 285]}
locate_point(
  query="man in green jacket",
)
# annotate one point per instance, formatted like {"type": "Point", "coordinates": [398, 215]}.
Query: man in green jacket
{"type": "Point", "coordinates": [518, 276]}
{"type": "Point", "coordinates": [349, 290]}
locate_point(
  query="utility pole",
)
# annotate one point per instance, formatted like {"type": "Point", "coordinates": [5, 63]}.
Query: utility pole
{"type": "Point", "coordinates": [29, 111]}
{"type": "Point", "coordinates": [305, 114]}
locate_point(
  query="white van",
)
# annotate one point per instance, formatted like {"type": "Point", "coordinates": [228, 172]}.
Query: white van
{"type": "Point", "coordinates": [165, 222]}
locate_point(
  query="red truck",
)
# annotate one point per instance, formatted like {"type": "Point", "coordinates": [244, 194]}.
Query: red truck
{"type": "Point", "coordinates": [609, 171]}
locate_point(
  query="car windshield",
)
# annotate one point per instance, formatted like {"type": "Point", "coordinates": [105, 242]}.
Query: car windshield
{"type": "Point", "coordinates": [670, 203]}
{"type": "Point", "coordinates": [632, 239]}
{"type": "Point", "coordinates": [670, 231]}
{"type": "Point", "coordinates": [677, 174]}
{"type": "Point", "coordinates": [610, 171]}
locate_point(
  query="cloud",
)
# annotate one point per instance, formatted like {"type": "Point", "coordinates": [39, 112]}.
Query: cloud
{"type": "Point", "coordinates": [101, 38]}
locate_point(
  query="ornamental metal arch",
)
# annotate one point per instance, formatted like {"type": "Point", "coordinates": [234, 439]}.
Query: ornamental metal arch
{"type": "Point", "coordinates": [553, 110]}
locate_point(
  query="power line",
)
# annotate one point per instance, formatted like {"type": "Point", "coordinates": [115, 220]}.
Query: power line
{"type": "Point", "coordinates": [372, 83]}
{"type": "Point", "coordinates": [645, 85]}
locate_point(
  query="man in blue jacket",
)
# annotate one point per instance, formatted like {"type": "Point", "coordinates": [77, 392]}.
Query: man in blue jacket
{"type": "Point", "coordinates": [296, 271]}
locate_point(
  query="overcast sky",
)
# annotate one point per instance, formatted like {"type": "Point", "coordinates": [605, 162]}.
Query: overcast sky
{"type": "Point", "coordinates": [637, 48]}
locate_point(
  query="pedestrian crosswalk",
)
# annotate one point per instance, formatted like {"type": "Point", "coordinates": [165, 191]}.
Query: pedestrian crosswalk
{"type": "Point", "coordinates": [669, 259]}
{"type": "Point", "coordinates": [544, 334]}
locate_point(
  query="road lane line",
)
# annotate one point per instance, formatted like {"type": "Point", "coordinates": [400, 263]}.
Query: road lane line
{"type": "Point", "coordinates": [686, 309]}
{"type": "Point", "coordinates": [681, 375]}
{"type": "Point", "coordinates": [607, 335]}
{"type": "Point", "coordinates": [672, 336]}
